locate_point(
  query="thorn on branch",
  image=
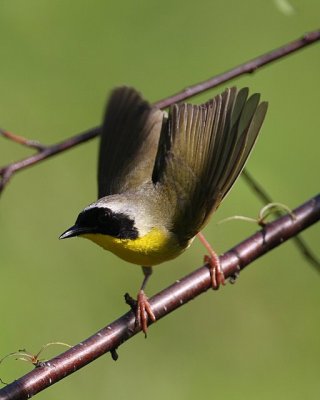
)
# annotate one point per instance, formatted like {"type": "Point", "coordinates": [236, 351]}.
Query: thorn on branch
{"type": "Point", "coordinates": [132, 303]}
{"type": "Point", "coordinates": [114, 354]}
{"type": "Point", "coordinates": [233, 278]}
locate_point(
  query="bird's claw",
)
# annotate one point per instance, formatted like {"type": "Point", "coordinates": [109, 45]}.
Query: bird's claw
{"type": "Point", "coordinates": [216, 273]}
{"type": "Point", "coordinates": [143, 312]}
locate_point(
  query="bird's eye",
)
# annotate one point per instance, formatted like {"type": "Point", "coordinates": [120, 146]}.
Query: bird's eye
{"type": "Point", "coordinates": [103, 217]}
{"type": "Point", "coordinates": [105, 221]}
{"type": "Point", "coordinates": [114, 226]}
{"type": "Point", "coordinates": [108, 222]}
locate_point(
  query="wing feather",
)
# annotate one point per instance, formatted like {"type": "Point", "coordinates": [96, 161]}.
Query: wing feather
{"type": "Point", "coordinates": [129, 141]}
{"type": "Point", "coordinates": [202, 151]}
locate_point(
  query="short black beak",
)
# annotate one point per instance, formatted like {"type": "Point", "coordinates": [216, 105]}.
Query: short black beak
{"type": "Point", "coordinates": [75, 231]}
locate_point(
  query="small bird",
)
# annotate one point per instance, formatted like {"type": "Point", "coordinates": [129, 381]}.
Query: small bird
{"type": "Point", "coordinates": [161, 176]}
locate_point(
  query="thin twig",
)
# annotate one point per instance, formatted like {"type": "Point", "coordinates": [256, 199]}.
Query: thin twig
{"type": "Point", "coordinates": [266, 199]}
{"type": "Point", "coordinates": [7, 172]}
{"type": "Point", "coordinates": [112, 336]}
{"type": "Point", "coordinates": [251, 66]}
{"type": "Point", "coordinates": [246, 68]}
{"type": "Point", "coordinates": [34, 144]}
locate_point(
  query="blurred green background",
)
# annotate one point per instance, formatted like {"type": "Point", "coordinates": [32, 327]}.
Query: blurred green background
{"type": "Point", "coordinates": [258, 339]}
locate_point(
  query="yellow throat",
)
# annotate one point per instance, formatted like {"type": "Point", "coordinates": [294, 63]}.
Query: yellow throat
{"type": "Point", "coordinates": [153, 248]}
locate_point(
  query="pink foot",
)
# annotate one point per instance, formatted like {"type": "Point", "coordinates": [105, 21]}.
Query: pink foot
{"type": "Point", "coordinates": [217, 276]}
{"type": "Point", "coordinates": [143, 312]}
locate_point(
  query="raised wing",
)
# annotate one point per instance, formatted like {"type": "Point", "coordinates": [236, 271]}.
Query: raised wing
{"type": "Point", "coordinates": [201, 153]}
{"type": "Point", "coordinates": [129, 141]}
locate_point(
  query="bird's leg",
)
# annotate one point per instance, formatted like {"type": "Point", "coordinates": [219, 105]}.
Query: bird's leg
{"type": "Point", "coordinates": [216, 273]}
{"type": "Point", "coordinates": [143, 310]}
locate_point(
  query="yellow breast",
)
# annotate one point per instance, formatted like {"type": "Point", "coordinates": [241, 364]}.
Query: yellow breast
{"type": "Point", "coordinates": [153, 248]}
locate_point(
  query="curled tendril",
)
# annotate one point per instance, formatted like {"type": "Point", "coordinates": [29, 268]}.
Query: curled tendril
{"type": "Point", "coordinates": [24, 355]}
{"type": "Point", "coordinates": [264, 213]}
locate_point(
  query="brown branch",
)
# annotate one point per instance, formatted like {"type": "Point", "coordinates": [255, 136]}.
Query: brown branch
{"type": "Point", "coordinates": [251, 66]}
{"type": "Point", "coordinates": [112, 336]}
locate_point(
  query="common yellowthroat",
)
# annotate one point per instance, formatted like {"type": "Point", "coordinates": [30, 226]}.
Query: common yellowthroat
{"type": "Point", "coordinates": [161, 176]}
